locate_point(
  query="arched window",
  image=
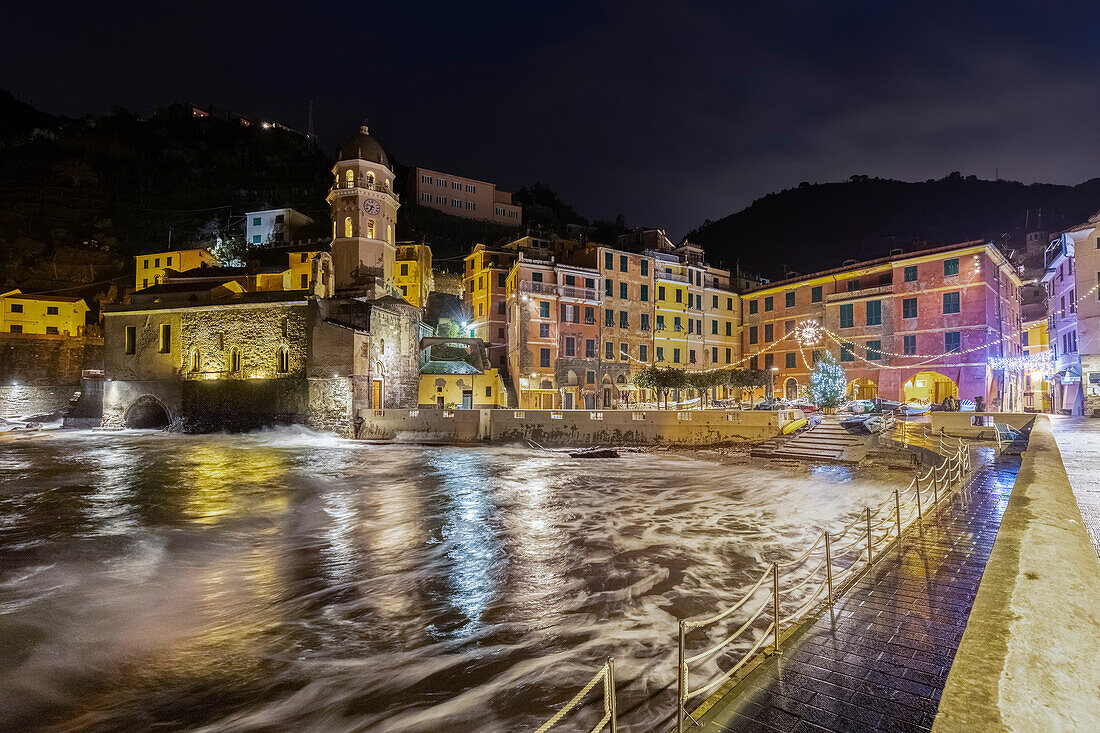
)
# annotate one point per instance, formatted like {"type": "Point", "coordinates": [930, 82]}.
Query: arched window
{"type": "Point", "coordinates": [349, 176]}
{"type": "Point", "coordinates": [370, 178]}
{"type": "Point", "coordinates": [282, 361]}
{"type": "Point", "coordinates": [389, 233]}
{"type": "Point", "coordinates": [234, 359]}
{"type": "Point", "coordinates": [347, 226]}
{"type": "Point", "coordinates": [334, 230]}
{"type": "Point", "coordinates": [196, 360]}
{"type": "Point", "coordinates": [381, 346]}
{"type": "Point", "coordinates": [370, 228]}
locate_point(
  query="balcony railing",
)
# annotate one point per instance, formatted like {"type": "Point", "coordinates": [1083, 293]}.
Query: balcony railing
{"type": "Point", "coordinates": [672, 277]}
{"type": "Point", "coordinates": [860, 293]}
{"type": "Point", "coordinates": [364, 184]}
{"type": "Point", "coordinates": [565, 291]}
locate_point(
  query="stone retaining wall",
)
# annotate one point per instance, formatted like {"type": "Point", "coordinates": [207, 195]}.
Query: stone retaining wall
{"type": "Point", "coordinates": [18, 401]}
{"type": "Point", "coordinates": [573, 427]}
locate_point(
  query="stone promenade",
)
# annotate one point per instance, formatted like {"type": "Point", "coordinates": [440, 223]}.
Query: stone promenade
{"type": "Point", "coordinates": [882, 664]}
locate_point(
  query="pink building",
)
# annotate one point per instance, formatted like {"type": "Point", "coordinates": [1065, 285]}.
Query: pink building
{"type": "Point", "coordinates": [918, 325]}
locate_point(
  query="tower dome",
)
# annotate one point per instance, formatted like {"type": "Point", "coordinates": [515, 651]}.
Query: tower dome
{"type": "Point", "coordinates": [362, 146]}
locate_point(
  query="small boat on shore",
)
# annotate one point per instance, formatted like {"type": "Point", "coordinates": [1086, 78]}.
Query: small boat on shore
{"type": "Point", "coordinates": [595, 453]}
{"type": "Point", "coordinates": [794, 425]}
{"type": "Point", "coordinates": [915, 407]}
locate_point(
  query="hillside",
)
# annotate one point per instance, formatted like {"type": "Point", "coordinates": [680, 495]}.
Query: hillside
{"type": "Point", "coordinates": [814, 227]}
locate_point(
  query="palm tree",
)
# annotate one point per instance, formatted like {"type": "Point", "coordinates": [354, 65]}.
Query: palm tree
{"type": "Point", "coordinates": [75, 171]}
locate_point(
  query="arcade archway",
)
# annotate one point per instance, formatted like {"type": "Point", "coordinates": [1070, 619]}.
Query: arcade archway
{"type": "Point", "coordinates": [930, 387]}
{"type": "Point", "coordinates": [146, 412]}
{"type": "Point", "coordinates": [862, 389]}
{"type": "Point", "coordinates": [790, 388]}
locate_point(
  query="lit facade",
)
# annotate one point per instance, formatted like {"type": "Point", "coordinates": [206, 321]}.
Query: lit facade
{"type": "Point", "coordinates": [1034, 341]}
{"type": "Point", "coordinates": [485, 296]}
{"type": "Point", "coordinates": [41, 314]}
{"type": "Point", "coordinates": [274, 226]}
{"type": "Point", "coordinates": [465, 197]}
{"type": "Point", "coordinates": [413, 278]}
{"type": "Point", "coordinates": [912, 326]}
{"type": "Point", "coordinates": [150, 268]}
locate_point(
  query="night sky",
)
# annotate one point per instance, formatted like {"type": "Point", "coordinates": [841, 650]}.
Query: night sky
{"type": "Point", "coordinates": [668, 113]}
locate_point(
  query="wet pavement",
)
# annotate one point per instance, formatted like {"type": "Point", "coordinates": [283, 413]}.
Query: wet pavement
{"type": "Point", "coordinates": [1079, 443]}
{"type": "Point", "coordinates": [881, 665]}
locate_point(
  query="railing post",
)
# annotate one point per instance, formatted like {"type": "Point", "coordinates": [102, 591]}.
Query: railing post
{"type": "Point", "coordinates": [870, 541]}
{"type": "Point", "coordinates": [920, 512]}
{"type": "Point", "coordinates": [611, 694]}
{"type": "Point", "coordinates": [829, 568]}
{"type": "Point", "coordinates": [897, 506]}
{"type": "Point", "coordinates": [936, 479]}
{"type": "Point", "coordinates": [681, 684]}
{"type": "Point", "coordinates": [775, 601]}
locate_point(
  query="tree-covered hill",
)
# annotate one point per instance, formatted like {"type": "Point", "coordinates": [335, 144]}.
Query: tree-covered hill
{"type": "Point", "coordinates": [814, 227]}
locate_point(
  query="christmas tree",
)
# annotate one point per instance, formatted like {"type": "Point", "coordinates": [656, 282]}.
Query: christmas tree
{"type": "Point", "coordinates": [827, 382]}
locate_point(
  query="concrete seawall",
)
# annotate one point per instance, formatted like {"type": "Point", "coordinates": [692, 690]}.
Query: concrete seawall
{"type": "Point", "coordinates": [573, 427]}
{"type": "Point", "coordinates": [1030, 657]}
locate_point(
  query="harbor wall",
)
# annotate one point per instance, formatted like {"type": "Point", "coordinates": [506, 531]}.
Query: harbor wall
{"type": "Point", "coordinates": [573, 427]}
{"type": "Point", "coordinates": [976, 425]}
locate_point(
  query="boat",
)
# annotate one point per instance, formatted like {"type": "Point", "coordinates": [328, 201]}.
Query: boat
{"type": "Point", "coordinates": [855, 423]}
{"type": "Point", "coordinates": [874, 423]}
{"type": "Point", "coordinates": [794, 425]}
{"type": "Point", "coordinates": [915, 407]}
{"type": "Point", "coordinates": [595, 453]}
{"type": "Point", "coordinates": [859, 407]}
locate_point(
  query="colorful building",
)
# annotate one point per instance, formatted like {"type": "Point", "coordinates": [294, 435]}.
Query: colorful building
{"type": "Point", "coordinates": [274, 226]}
{"type": "Point", "coordinates": [485, 295]}
{"type": "Point", "coordinates": [41, 314]}
{"type": "Point", "coordinates": [455, 375]}
{"type": "Point", "coordinates": [150, 268]}
{"type": "Point", "coordinates": [465, 197]}
{"type": "Point", "coordinates": [1037, 392]}
{"type": "Point", "coordinates": [918, 325]}
{"type": "Point", "coordinates": [414, 279]}
{"type": "Point", "coordinates": [626, 320]}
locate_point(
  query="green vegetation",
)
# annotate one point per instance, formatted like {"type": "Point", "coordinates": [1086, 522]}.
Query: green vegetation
{"type": "Point", "coordinates": [663, 380]}
{"type": "Point", "coordinates": [827, 382]}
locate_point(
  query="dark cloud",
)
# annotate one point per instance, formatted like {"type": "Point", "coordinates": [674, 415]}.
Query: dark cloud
{"type": "Point", "coordinates": [667, 112]}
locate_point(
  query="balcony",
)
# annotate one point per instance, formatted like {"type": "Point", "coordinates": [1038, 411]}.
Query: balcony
{"type": "Point", "coordinates": [570, 291]}
{"type": "Point", "coordinates": [526, 286]}
{"type": "Point", "coordinates": [363, 184]}
{"type": "Point", "coordinates": [672, 277]}
{"type": "Point", "coordinates": [565, 291]}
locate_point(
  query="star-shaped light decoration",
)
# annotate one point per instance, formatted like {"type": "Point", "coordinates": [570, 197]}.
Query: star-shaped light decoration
{"type": "Point", "coordinates": [809, 333]}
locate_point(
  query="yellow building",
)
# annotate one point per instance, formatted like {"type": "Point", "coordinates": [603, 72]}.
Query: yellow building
{"type": "Point", "coordinates": [485, 297]}
{"type": "Point", "coordinates": [678, 315]}
{"type": "Point", "coordinates": [1037, 394]}
{"type": "Point", "coordinates": [150, 267]}
{"type": "Point", "coordinates": [414, 272]}
{"type": "Point", "coordinates": [41, 314]}
{"type": "Point", "coordinates": [300, 263]}
{"type": "Point", "coordinates": [469, 391]}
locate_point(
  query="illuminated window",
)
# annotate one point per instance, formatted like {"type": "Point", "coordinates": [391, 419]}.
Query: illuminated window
{"type": "Point", "coordinates": [349, 176]}
{"type": "Point", "coordinates": [282, 360]}
{"type": "Point", "coordinates": [347, 226]}
{"type": "Point", "coordinates": [370, 228]}
{"type": "Point", "coordinates": [196, 360]}
{"type": "Point", "coordinates": [370, 178]}
{"type": "Point", "coordinates": [165, 338]}
{"type": "Point", "coordinates": [235, 359]}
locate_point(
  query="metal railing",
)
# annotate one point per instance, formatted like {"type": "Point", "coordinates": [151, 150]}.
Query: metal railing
{"type": "Point", "coordinates": [610, 714]}
{"type": "Point", "coordinates": [787, 592]}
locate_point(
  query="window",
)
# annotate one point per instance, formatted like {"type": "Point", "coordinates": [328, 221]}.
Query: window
{"type": "Point", "coordinates": [305, 257]}
{"type": "Point", "coordinates": [752, 334]}
{"type": "Point", "coordinates": [624, 351]}
{"type": "Point", "coordinates": [146, 265]}
{"type": "Point", "coordinates": [660, 322]}
{"type": "Point", "coordinates": [608, 350]}
{"type": "Point", "coordinates": [788, 327]}
{"type": "Point", "coordinates": [729, 304]}
{"type": "Point", "coordinates": [145, 283]}
{"type": "Point", "coordinates": [536, 277]}
{"type": "Point", "coordinates": [589, 315]}
{"type": "Point", "coordinates": [609, 317]}
{"type": "Point", "coordinates": [624, 319]}
{"type": "Point", "coordinates": [847, 315]}
{"type": "Point", "coordinates": [623, 291]}
{"type": "Point", "coordinates": [16, 329]}
{"type": "Point", "coordinates": [660, 353]}
{"type": "Point", "coordinates": [951, 267]}
{"type": "Point", "coordinates": [51, 330]}
{"type": "Point", "coordinates": [131, 339]}
{"type": "Point", "coordinates": [714, 327]}
{"type": "Point", "coordinates": [909, 308]}
{"type": "Point", "coordinates": [590, 377]}
{"type": "Point", "coordinates": [768, 304]}
{"type": "Point", "coordinates": [874, 312]}
{"type": "Point", "coordinates": [874, 350]}
{"type": "Point", "coordinates": [952, 341]}
{"type": "Point", "coordinates": [675, 356]}
{"type": "Point", "coordinates": [853, 285]}
{"type": "Point", "coordinates": [645, 322]}
{"type": "Point", "coordinates": [51, 310]}
{"type": "Point", "coordinates": [234, 359]}
{"type": "Point", "coordinates": [347, 226]}
{"type": "Point", "coordinates": [282, 361]}
{"type": "Point", "coordinates": [502, 279]}
{"type": "Point", "coordinates": [679, 295]}
{"type": "Point", "coordinates": [729, 355]}
{"type": "Point", "coordinates": [165, 338]}
{"type": "Point", "coordinates": [769, 333]}
{"type": "Point", "coordinates": [544, 330]}
{"type": "Point", "coordinates": [404, 269]}
{"type": "Point", "coordinates": [714, 301]}
{"type": "Point", "coordinates": [589, 349]}
{"type": "Point", "coordinates": [691, 326]}
{"type": "Point", "coordinates": [643, 293]}
{"type": "Point", "coordinates": [570, 346]}
{"type": "Point", "coordinates": [645, 268]}
{"type": "Point", "coordinates": [714, 355]}
{"type": "Point", "coordinates": [544, 358]}
{"type": "Point", "coordinates": [769, 361]}
{"type": "Point", "coordinates": [950, 302]}
{"type": "Point", "coordinates": [676, 325]}
{"type": "Point", "coordinates": [661, 292]}
{"type": "Point", "coordinates": [544, 309]}
{"type": "Point", "coordinates": [608, 261]}
{"type": "Point", "coordinates": [691, 356]}
{"type": "Point", "coordinates": [846, 353]}
{"type": "Point", "coordinates": [305, 281]}
{"type": "Point", "coordinates": [16, 307]}
{"type": "Point", "coordinates": [609, 288]}
{"type": "Point", "coordinates": [790, 361]}
{"type": "Point", "coordinates": [754, 363]}
{"type": "Point", "coordinates": [909, 344]}
{"type": "Point", "coordinates": [815, 294]}
{"type": "Point", "coordinates": [256, 238]}
{"type": "Point", "coordinates": [790, 299]}
{"type": "Point", "coordinates": [643, 352]}
{"type": "Point", "coordinates": [622, 263]}
{"type": "Point", "coordinates": [729, 328]}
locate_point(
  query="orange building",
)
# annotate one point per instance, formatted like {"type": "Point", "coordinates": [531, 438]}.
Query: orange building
{"type": "Point", "coordinates": [485, 295]}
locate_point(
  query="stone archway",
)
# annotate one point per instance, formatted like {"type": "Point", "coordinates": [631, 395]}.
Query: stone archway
{"type": "Point", "coordinates": [147, 412]}
{"type": "Point", "coordinates": [790, 388]}
{"type": "Point", "coordinates": [930, 386]}
{"type": "Point", "coordinates": [862, 389]}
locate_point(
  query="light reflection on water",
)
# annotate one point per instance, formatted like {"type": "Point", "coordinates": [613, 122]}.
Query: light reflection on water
{"type": "Point", "coordinates": [294, 580]}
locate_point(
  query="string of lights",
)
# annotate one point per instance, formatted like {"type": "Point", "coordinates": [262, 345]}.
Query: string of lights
{"type": "Point", "coordinates": [880, 365]}
{"type": "Point", "coordinates": [986, 344]}
{"type": "Point", "coordinates": [1042, 361]}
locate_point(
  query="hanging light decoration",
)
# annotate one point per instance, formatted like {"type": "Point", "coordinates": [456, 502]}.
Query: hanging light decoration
{"type": "Point", "coordinates": [1042, 361]}
{"type": "Point", "coordinates": [809, 333]}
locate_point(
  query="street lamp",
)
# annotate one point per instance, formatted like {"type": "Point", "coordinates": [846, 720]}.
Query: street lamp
{"type": "Point", "coordinates": [771, 382]}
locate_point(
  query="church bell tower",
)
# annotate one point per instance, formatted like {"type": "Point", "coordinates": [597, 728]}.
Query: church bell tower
{"type": "Point", "coordinates": [364, 217]}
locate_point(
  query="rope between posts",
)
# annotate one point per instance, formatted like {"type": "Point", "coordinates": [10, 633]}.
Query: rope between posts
{"type": "Point", "coordinates": [573, 703]}
{"type": "Point", "coordinates": [729, 639]}
{"type": "Point", "coordinates": [809, 576]}
{"type": "Point", "coordinates": [806, 604]}
{"type": "Point", "coordinates": [804, 555]}
{"type": "Point", "coordinates": [733, 670]}
{"type": "Point", "coordinates": [718, 617]}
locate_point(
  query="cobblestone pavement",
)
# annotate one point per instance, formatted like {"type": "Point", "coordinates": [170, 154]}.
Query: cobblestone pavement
{"type": "Point", "coordinates": [1079, 443]}
{"type": "Point", "coordinates": [882, 664]}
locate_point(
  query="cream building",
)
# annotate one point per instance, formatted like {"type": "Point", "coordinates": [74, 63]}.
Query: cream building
{"type": "Point", "coordinates": [465, 197]}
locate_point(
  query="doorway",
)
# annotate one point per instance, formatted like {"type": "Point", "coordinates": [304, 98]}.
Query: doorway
{"type": "Point", "coordinates": [467, 399]}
